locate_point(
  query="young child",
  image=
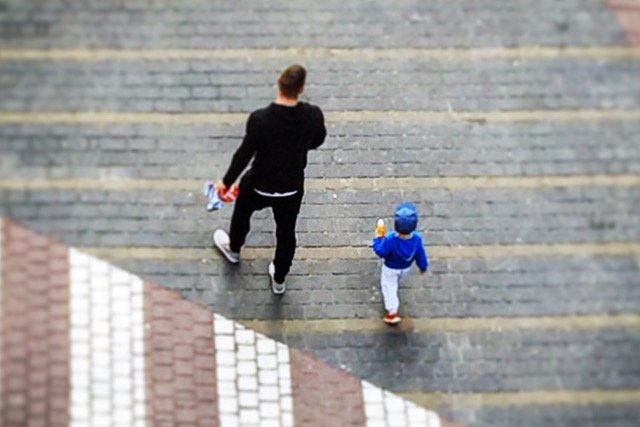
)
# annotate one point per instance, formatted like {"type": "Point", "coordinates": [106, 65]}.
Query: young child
{"type": "Point", "coordinates": [399, 250]}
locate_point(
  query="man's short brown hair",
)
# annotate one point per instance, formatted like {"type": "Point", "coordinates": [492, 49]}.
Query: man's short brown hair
{"type": "Point", "coordinates": [291, 81]}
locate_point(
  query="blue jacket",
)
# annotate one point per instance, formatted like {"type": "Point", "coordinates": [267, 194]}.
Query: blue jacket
{"type": "Point", "coordinates": [400, 253]}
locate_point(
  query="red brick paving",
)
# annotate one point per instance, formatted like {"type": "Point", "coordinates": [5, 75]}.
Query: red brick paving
{"type": "Point", "coordinates": [180, 360]}
{"type": "Point", "coordinates": [324, 396]}
{"type": "Point", "coordinates": [34, 330]}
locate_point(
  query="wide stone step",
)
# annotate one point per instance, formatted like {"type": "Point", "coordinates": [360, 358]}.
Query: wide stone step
{"type": "Point", "coordinates": [196, 24]}
{"type": "Point", "coordinates": [351, 150]}
{"type": "Point", "coordinates": [335, 84]}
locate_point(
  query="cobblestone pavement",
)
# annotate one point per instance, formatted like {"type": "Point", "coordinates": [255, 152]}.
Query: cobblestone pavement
{"type": "Point", "coordinates": [514, 127]}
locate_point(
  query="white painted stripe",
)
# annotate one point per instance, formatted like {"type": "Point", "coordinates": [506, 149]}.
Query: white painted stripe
{"type": "Point", "coordinates": [107, 344]}
{"type": "Point", "coordinates": [383, 408]}
{"type": "Point", "coordinates": [226, 371]}
{"type": "Point", "coordinates": [254, 377]}
{"type": "Point", "coordinates": [335, 184]}
{"type": "Point", "coordinates": [336, 117]}
{"type": "Point", "coordinates": [612, 53]}
{"type": "Point", "coordinates": [364, 252]}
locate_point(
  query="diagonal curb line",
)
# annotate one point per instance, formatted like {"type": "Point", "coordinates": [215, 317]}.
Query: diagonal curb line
{"type": "Point", "coordinates": [617, 53]}
{"type": "Point", "coordinates": [238, 355]}
{"type": "Point", "coordinates": [364, 252]}
{"type": "Point", "coordinates": [627, 13]}
{"type": "Point", "coordinates": [136, 352]}
{"type": "Point", "coordinates": [342, 117]}
{"type": "Point", "coordinates": [328, 184]}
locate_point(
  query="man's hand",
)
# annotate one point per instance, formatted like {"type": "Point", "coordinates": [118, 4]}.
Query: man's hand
{"type": "Point", "coordinates": [225, 193]}
{"type": "Point", "coordinates": [220, 187]}
{"type": "Point", "coordinates": [381, 229]}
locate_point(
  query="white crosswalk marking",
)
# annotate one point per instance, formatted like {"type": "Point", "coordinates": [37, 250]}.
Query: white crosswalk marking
{"type": "Point", "coordinates": [254, 377]}
{"type": "Point", "coordinates": [107, 345]}
{"type": "Point", "coordinates": [383, 409]}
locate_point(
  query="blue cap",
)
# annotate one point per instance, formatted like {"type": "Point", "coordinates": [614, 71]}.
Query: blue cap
{"type": "Point", "coordinates": [406, 218]}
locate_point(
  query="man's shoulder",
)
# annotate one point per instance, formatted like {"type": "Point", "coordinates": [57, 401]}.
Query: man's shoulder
{"type": "Point", "coordinates": [260, 112]}
{"type": "Point", "coordinates": [263, 114]}
{"type": "Point", "coordinates": [313, 109]}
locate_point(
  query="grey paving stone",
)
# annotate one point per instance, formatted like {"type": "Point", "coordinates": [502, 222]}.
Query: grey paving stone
{"type": "Point", "coordinates": [409, 85]}
{"type": "Point", "coordinates": [350, 151]}
{"type": "Point", "coordinates": [508, 216]}
{"type": "Point", "coordinates": [194, 24]}
{"type": "Point", "coordinates": [522, 360]}
{"type": "Point", "coordinates": [545, 415]}
{"type": "Point", "coordinates": [321, 289]}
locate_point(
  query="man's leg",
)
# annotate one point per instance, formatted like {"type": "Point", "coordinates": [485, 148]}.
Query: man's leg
{"type": "Point", "coordinates": [246, 204]}
{"type": "Point", "coordinates": [285, 212]}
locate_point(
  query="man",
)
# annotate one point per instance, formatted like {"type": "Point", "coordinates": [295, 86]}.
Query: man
{"type": "Point", "coordinates": [278, 138]}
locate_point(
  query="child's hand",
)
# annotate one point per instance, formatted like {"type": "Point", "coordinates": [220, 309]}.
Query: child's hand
{"type": "Point", "coordinates": [381, 229]}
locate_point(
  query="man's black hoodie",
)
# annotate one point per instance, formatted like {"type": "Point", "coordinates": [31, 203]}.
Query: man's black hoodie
{"type": "Point", "coordinates": [279, 136]}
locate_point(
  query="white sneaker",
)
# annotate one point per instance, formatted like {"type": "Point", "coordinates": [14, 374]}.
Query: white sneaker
{"type": "Point", "coordinates": [277, 288]}
{"type": "Point", "coordinates": [221, 240]}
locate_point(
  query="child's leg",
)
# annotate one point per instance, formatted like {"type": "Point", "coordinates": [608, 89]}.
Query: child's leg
{"type": "Point", "coordinates": [402, 274]}
{"type": "Point", "coordinates": [389, 287]}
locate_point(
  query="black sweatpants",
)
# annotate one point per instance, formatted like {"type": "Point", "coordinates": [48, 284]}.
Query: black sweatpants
{"type": "Point", "coordinates": [285, 213]}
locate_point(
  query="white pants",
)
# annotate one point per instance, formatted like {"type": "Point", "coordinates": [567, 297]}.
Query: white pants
{"type": "Point", "coordinates": [389, 281]}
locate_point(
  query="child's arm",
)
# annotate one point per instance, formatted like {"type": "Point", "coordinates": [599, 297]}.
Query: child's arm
{"type": "Point", "coordinates": [380, 247]}
{"type": "Point", "coordinates": [422, 259]}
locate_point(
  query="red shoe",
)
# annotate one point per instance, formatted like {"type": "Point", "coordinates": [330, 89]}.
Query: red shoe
{"type": "Point", "coordinates": [392, 319]}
